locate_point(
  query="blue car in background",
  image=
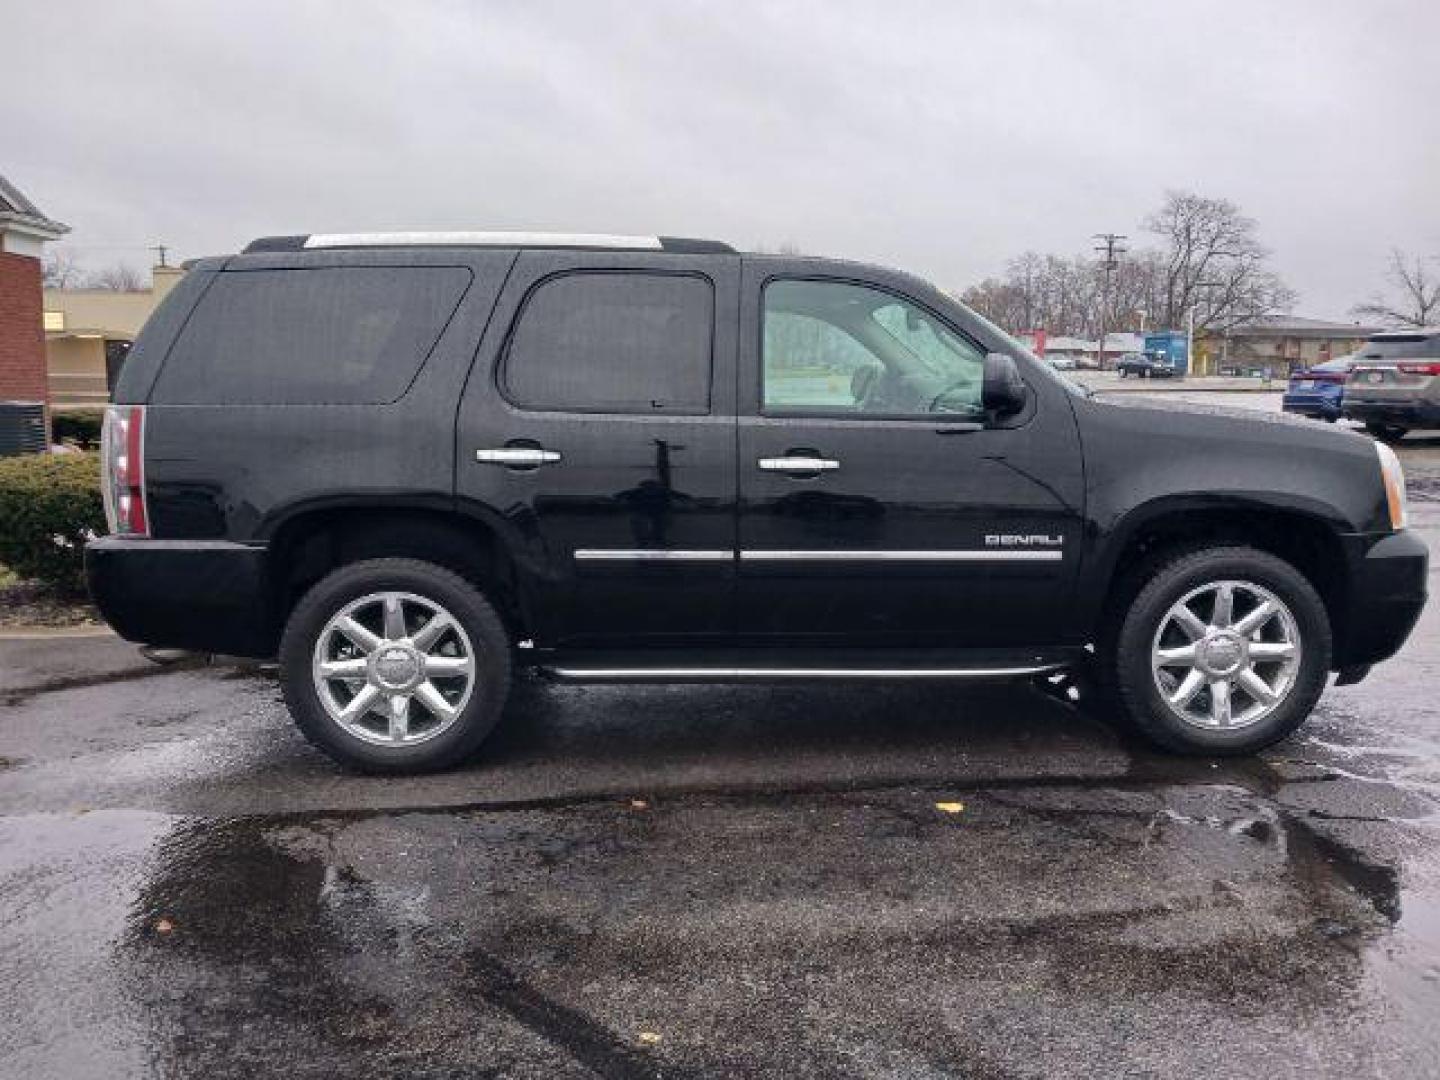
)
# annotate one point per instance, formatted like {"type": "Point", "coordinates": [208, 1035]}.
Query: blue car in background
{"type": "Point", "coordinates": [1320, 390]}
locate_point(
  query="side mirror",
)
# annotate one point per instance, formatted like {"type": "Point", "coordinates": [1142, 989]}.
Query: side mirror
{"type": "Point", "coordinates": [1003, 391]}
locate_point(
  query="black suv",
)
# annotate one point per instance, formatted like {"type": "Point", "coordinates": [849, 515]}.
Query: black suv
{"type": "Point", "coordinates": [408, 464]}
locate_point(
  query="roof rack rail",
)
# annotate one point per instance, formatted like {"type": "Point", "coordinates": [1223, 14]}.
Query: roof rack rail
{"type": "Point", "coordinates": [578, 241]}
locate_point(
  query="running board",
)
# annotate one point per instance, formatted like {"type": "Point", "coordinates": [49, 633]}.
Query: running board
{"type": "Point", "coordinates": [590, 673]}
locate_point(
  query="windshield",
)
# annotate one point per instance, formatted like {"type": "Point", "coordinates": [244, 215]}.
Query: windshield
{"type": "Point", "coordinates": [1015, 343]}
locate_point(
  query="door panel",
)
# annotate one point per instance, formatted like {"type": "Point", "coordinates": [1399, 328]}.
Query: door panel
{"type": "Point", "coordinates": [932, 531]}
{"type": "Point", "coordinates": [626, 533]}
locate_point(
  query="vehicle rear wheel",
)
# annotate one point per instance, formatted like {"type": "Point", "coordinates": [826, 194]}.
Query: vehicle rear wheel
{"type": "Point", "coordinates": [1390, 433]}
{"type": "Point", "coordinates": [1223, 651]}
{"type": "Point", "coordinates": [395, 665]}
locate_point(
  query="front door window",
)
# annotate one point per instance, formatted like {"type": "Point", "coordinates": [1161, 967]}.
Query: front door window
{"type": "Point", "coordinates": [836, 349]}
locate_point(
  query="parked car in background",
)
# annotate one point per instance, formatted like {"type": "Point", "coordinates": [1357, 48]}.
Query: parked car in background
{"type": "Point", "coordinates": [1318, 391]}
{"type": "Point", "coordinates": [409, 464]}
{"type": "Point", "coordinates": [1394, 386]}
{"type": "Point", "coordinates": [1144, 367]}
{"type": "Point", "coordinates": [1061, 361]}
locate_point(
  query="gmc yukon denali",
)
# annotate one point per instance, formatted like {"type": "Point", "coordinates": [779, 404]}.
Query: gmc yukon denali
{"type": "Point", "coordinates": [409, 464]}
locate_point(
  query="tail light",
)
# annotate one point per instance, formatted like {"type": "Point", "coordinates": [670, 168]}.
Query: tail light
{"type": "Point", "coordinates": [122, 470]}
{"type": "Point", "coordinates": [1425, 367]}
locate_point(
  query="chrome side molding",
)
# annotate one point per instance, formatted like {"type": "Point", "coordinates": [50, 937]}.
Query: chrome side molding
{"type": "Point", "coordinates": [820, 555]}
{"type": "Point", "coordinates": [579, 673]}
{"type": "Point", "coordinates": [652, 555]}
{"type": "Point", "coordinates": [976, 555]}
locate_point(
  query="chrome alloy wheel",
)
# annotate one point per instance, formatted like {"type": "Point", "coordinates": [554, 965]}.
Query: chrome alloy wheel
{"type": "Point", "coordinates": [393, 668]}
{"type": "Point", "coordinates": [1226, 655]}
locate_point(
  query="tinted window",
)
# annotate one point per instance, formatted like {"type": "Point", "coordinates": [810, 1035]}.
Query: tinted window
{"type": "Point", "coordinates": [341, 336]}
{"type": "Point", "coordinates": [1402, 347]}
{"type": "Point", "coordinates": [613, 342]}
{"type": "Point", "coordinates": [835, 348]}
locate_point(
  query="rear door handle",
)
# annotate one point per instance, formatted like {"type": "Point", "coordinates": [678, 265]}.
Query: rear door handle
{"type": "Point", "coordinates": [798, 464]}
{"type": "Point", "coordinates": [517, 457]}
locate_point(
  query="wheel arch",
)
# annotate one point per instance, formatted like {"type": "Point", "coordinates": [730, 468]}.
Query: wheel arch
{"type": "Point", "coordinates": [1306, 537]}
{"type": "Point", "coordinates": [312, 541]}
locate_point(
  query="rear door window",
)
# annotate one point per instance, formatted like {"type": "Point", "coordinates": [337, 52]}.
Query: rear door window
{"type": "Point", "coordinates": [613, 341]}
{"type": "Point", "coordinates": [324, 336]}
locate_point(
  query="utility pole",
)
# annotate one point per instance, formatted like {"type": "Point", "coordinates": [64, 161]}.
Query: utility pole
{"type": "Point", "coordinates": [1110, 247]}
{"type": "Point", "coordinates": [161, 250]}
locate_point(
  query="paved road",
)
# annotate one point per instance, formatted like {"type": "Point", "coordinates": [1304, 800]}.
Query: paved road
{"type": "Point", "coordinates": [726, 881]}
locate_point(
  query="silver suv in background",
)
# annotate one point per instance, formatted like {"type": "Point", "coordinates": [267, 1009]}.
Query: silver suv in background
{"type": "Point", "coordinates": [1394, 386]}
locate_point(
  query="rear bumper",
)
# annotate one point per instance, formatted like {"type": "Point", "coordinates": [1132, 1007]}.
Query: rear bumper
{"type": "Point", "coordinates": [205, 595]}
{"type": "Point", "coordinates": [1325, 408]}
{"type": "Point", "coordinates": [1414, 414]}
{"type": "Point", "coordinates": [1387, 594]}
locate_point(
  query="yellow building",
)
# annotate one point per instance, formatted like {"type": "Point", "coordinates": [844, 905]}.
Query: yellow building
{"type": "Point", "coordinates": [89, 331]}
{"type": "Point", "coordinates": [1279, 343]}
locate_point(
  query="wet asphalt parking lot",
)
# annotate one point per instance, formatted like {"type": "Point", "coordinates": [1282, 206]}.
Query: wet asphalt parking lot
{"type": "Point", "coordinates": [715, 881]}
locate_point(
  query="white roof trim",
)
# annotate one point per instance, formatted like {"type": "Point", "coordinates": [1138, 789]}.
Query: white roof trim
{"type": "Point", "coordinates": [483, 239]}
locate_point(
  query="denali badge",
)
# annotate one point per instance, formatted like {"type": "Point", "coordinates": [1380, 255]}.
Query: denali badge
{"type": "Point", "coordinates": [1023, 540]}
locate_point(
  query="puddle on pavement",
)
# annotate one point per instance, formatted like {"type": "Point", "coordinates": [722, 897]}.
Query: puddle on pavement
{"type": "Point", "coordinates": [363, 937]}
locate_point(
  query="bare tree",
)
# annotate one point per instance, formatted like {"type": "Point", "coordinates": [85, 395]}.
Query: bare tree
{"type": "Point", "coordinates": [1214, 262]}
{"type": "Point", "coordinates": [117, 277]}
{"type": "Point", "coordinates": [60, 270]}
{"type": "Point", "coordinates": [1415, 299]}
{"type": "Point", "coordinates": [1061, 294]}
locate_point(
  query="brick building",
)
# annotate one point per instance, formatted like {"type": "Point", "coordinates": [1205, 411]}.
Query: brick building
{"type": "Point", "coordinates": [24, 231]}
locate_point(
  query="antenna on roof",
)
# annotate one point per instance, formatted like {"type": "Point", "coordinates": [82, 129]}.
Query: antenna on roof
{"type": "Point", "coordinates": [161, 250]}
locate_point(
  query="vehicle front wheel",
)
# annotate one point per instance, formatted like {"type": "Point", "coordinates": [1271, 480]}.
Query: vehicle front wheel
{"type": "Point", "coordinates": [395, 665]}
{"type": "Point", "coordinates": [1390, 433]}
{"type": "Point", "coordinates": [1223, 651]}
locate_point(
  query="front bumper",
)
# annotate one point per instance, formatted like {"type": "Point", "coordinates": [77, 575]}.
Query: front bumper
{"type": "Point", "coordinates": [204, 595]}
{"type": "Point", "coordinates": [1409, 414]}
{"type": "Point", "coordinates": [1386, 595]}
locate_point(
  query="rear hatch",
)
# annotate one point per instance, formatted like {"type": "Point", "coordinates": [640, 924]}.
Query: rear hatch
{"type": "Point", "coordinates": [1397, 367]}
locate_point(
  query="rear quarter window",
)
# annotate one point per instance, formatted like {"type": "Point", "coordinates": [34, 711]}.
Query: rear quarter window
{"type": "Point", "coordinates": [1402, 347]}
{"type": "Point", "coordinates": [324, 336]}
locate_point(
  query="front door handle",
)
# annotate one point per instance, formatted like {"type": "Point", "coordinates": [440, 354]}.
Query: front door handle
{"type": "Point", "coordinates": [798, 464]}
{"type": "Point", "coordinates": [517, 457]}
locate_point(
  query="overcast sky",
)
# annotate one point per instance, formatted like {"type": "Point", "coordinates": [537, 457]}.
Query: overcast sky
{"type": "Point", "coordinates": [941, 137]}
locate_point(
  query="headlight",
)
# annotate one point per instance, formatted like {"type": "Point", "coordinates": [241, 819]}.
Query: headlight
{"type": "Point", "coordinates": [1394, 479]}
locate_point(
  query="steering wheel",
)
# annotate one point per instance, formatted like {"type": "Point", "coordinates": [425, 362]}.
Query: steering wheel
{"type": "Point", "coordinates": [862, 381]}
{"type": "Point", "coordinates": [949, 389]}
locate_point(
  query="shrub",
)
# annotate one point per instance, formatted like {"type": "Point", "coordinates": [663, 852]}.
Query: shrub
{"type": "Point", "coordinates": [80, 426]}
{"type": "Point", "coordinates": [49, 506]}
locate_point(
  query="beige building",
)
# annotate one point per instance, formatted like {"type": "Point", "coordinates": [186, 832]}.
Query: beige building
{"type": "Point", "coordinates": [1282, 343]}
{"type": "Point", "coordinates": [89, 331]}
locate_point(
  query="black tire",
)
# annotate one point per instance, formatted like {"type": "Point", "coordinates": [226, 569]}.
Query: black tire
{"type": "Point", "coordinates": [487, 635]}
{"type": "Point", "coordinates": [1390, 433]}
{"type": "Point", "coordinates": [1126, 654]}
